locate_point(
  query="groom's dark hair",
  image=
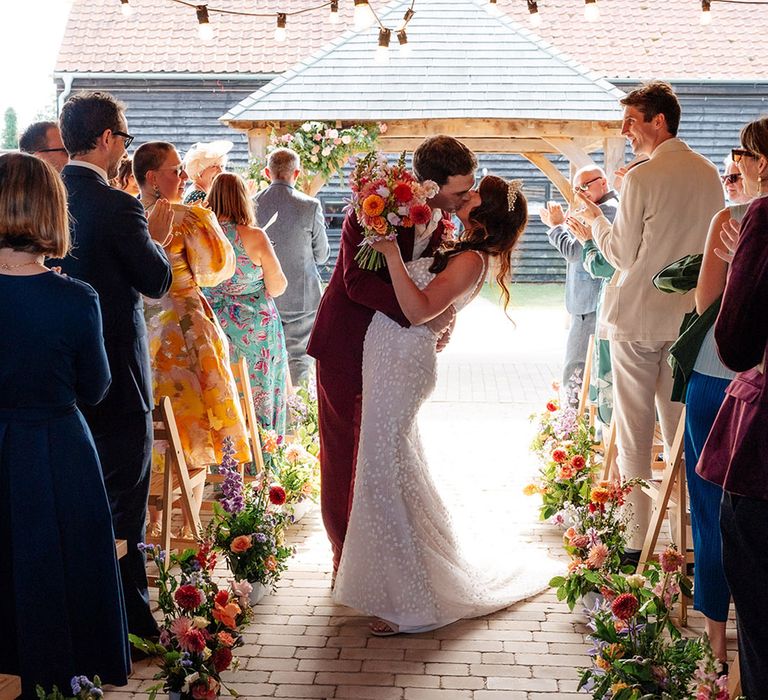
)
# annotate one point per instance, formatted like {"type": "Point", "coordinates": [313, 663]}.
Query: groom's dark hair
{"type": "Point", "coordinates": [439, 157]}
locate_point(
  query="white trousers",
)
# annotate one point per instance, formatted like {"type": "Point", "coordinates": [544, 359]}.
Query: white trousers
{"type": "Point", "coordinates": [642, 384]}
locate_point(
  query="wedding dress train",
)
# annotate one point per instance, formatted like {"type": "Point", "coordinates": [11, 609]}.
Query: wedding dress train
{"type": "Point", "coordinates": [402, 561]}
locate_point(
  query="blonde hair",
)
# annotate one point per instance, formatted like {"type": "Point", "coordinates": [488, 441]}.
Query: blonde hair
{"type": "Point", "coordinates": [229, 200]}
{"type": "Point", "coordinates": [33, 206]}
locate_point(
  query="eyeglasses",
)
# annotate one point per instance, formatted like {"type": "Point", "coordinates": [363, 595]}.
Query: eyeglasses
{"type": "Point", "coordinates": [51, 150]}
{"type": "Point", "coordinates": [584, 187]}
{"type": "Point", "coordinates": [177, 169]}
{"type": "Point", "coordinates": [128, 139]}
{"type": "Point", "coordinates": [738, 153]}
{"type": "Point", "coordinates": [731, 179]}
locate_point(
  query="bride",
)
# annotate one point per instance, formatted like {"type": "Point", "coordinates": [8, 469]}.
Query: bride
{"type": "Point", "coordinates": [401, 560]}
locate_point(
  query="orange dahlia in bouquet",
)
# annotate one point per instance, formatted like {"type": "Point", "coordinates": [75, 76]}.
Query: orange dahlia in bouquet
{"type": "Point", "coordinates": [384, 198]}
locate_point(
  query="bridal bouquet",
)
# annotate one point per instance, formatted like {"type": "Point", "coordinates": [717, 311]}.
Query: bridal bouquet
{"type": "Point", "coordinates": [384, 197]}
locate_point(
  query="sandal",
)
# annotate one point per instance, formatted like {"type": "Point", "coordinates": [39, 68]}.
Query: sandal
{"type": "Point", "coordinates": [382, 628]}
{"type": "Point", "coordinates": [155, 530]}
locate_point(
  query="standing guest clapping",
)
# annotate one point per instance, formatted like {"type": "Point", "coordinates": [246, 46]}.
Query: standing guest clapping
{"type": "Point", "coordinates": [58, 570]}
{"type": "Point", "coordinates": [117, 256]}
{"type": "Point", "coordinates": [244, 303]}
{"type": "Point", "coordinates": [188, 350]}
{"type": "Point", "coordinates": [735, 456]}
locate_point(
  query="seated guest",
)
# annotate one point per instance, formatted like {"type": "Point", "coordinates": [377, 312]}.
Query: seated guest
{"type": "Point", "coordinates": [59, 575]}
{"type": "Point", "coordinates": [187, 348]}
{"type": "Point", "coordinates": [125, 180]}
{"type": "Point", "coordinates": [43, 139]}
{"type": "Point", "coordinates": [244, 303]}
{"type": "Point", "coordinates": [203, 162]}
{"type": "Point", "coordinates": [735, 455]}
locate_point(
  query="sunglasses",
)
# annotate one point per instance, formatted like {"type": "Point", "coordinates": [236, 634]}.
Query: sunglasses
{"type": "Point", "coordinates": [738, 153]}
{"type": "Point", "coordinates": [177, 169]}
{"type": "Point", "coordinates": [586, 185]}
{"type": "Point", "coordinates": [731, 179]}
{"type": "Point", "coordinates": [128, 139]}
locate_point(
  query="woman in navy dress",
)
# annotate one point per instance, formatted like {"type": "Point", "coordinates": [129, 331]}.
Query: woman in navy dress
{"type": "Point", "coordinates": [61, 604]}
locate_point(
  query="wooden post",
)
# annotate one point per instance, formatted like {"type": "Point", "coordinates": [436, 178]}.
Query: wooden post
{"type": "Point", "coordinates": [613, 147]}
{"type": "Point", "coordinates": [555, 176]}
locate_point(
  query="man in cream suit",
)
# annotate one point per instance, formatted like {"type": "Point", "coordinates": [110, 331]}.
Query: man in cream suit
{"type": "Point", "coordinates": [301, 244]}
{"type": "Point", "coordinates": [664, 213]}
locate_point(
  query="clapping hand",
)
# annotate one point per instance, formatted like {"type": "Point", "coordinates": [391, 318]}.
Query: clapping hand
{"type": "Point", "coordinates": [552, 214]}
{"type": "Point", "coordinates": [729, 235]}
{"type": "Point", "coordinates": [160, 220]}
{"type": "Point", "coordinates": [588, 210]}
{"type": "Point", "coordinates": [579, 229]}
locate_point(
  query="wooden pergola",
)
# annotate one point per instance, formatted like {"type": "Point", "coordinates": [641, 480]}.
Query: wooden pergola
{"type": "Point", "coordinates": [488, 81]}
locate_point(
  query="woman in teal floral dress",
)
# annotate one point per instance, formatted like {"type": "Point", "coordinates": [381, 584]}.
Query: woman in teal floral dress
{"type": "Point", "coordinates": [244, 304]}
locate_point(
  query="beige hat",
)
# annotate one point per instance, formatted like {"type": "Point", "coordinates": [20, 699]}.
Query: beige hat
{"type": "Point", "coordinates": [203, 155]}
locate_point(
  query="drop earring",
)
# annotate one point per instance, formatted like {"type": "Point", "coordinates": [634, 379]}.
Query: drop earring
{"type": "Point", "coordinates": [156, 192]}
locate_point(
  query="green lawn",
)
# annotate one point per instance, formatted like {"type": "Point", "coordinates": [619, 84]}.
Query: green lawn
{"type": "Point", "coordinates": [528, 295]}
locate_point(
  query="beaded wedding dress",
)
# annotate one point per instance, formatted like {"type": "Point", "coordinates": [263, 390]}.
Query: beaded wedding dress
{"type": "Point", "coordinates": [402, 561]}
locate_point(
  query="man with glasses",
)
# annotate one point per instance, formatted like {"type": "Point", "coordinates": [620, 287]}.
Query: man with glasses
{"type": "Point", "coordinates": [114, 252]}
{"type": "Point", "coordinates": [581, 290]}
{"type": "Point", "coordinates": [43, 139]}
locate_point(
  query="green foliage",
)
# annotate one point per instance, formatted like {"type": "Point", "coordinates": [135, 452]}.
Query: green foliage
{"type": "Point", "coordinates": [10, 137]}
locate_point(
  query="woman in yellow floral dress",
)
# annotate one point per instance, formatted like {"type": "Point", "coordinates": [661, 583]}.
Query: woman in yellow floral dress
{"type": "Point", "coordinates": [188, 350]}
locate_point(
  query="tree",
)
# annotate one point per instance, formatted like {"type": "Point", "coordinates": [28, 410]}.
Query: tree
{"type": "Point", "coordinates": [10, 132]}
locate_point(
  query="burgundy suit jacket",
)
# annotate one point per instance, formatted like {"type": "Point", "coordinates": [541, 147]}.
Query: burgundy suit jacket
{"type": "Point", "coordinates": [354, 295]}
{"type": "Point", "coordinates": [736, 453]}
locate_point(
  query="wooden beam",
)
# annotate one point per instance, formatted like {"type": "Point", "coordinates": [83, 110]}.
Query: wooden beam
{"type": "Point", "coordinates": [554, 175]}
{"type": "Point", "coordinates": [478, 144]}
{"type": "Point", "coordinates": [257, 142]}
{"type": "Point", "coordinates": [613, 147]}
{"type": "Point", "coordinates": [572, 151]}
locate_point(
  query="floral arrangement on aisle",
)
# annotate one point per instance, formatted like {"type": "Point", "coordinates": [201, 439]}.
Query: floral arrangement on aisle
{"type": "Point", "coordinates": [299, 477]}
{"type": "Point", "coordinates": [323, 149]}
{"type": "Point", "coordinates": [596, 540]}
{"type": "Point", "coordinates": [565, 445]}
{"type": "Point", "coordinates": [638, 652]}
{"type": "Point", "coordinates": [82, 689]}
{"type": "Point", "coordinates": [247, 526]}
{"type": "Point", "coordinates": [303, 416]}
{"type": "Point", "coordinates": [709, 682]}
{"type": "Point", "coordinates": [385, 197]}
{"type": "Point", "coordinates": [200, 627]}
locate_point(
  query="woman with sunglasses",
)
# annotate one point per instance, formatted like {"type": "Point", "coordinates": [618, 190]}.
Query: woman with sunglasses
{"type": "Point", "coordinates": [188, 350]}
{"type": "Point", "coordinates": [735, 456]}
{"type": "Point", "coordinates": [733, 183]}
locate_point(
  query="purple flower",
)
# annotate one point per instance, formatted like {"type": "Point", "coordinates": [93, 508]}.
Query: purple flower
{"type": "Point", "coordinates": [260, 537]}
{"type": "Point", "coordinates": [232, 499]}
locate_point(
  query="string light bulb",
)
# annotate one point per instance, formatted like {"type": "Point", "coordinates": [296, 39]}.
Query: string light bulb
{"type": "Point", "coordinates": [282, 19]}
{"type": "Point", "coordinates": [382, 50]}
{"type": "Point", "coordinates": [591, 10]}
{"type": "Point", "coordinates": [363, 17]}
{"type": "Point", "coordinates": [533, 13]}
{"type": "Point", "coordinates": [402, 40]}
{"type": "Point", "coordinates": [333, 16]}
{"type": "Point", "coordinates": [204, 28]}
{"type": "Point", "coordinates": [706, 12]}
{"type": "Point", "coordinates": [493, 7]}
{"type": "Point", "coordinates": [125, 8]}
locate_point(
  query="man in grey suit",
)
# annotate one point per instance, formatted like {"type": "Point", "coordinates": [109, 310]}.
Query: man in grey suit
{"type": "Point", "coordinates": [581, 290]}
{"type": "Point", "coordinates": [301, 244]}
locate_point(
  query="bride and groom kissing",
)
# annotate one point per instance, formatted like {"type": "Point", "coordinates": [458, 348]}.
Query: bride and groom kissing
{"type": "Point", "coordinates": [375, 339]}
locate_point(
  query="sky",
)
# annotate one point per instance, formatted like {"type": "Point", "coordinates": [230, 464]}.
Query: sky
{"type": "Point", "coordinates": [30, 33]}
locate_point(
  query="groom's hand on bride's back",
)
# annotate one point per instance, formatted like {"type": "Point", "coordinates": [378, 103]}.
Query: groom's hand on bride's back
{"type": "Point", "coordinates": [442, 326]}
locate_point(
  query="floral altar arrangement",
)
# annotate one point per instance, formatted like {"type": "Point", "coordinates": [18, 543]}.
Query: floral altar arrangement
{"type": "Point", "coordinates": [638, 652]}
{"type": "Point", "coordinates": [82, 689]}
{"type": "Point", "coordinates": [200, 627]}
{"type": "Point", "coordinates": [247, 527]}
{"type": "Point", "coordinates": [323, 149]}
{"type": "Point", "coordinates": [595, 540]}
{"type": "Point", "coordinates": [385, 197]}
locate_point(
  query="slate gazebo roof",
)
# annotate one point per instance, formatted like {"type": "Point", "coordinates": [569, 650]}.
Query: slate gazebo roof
{"type": "Point", "coordinates": [478, 76]}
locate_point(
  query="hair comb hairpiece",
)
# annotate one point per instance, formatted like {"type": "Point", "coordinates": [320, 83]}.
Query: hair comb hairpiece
{"type": "Point", "coordinates": [513, 187]}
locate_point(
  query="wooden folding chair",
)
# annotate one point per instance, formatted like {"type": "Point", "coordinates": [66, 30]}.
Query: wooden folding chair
{"type": "Point", "coordinates": [243, 382]}
{"type": "Point", "coordinates": [586, 378]}
{"type": "Point", "coordinates": [177, 482]}
{"type": "Point", "coordinates": [672, 489]}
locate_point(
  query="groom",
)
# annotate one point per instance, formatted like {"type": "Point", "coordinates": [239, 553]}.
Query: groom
{"type": "Point", "coordinates": [346, 309]}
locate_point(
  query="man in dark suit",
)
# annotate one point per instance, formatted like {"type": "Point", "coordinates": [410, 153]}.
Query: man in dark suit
{"type": "Point", "coordinates": [301, 244]}
{"type": "Point", "coordinates": [114, 252]}
{"type": "Point", "coordinates": [352, 297]}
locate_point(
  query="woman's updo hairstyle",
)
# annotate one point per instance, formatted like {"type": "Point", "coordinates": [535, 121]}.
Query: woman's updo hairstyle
{"type": "Point", "coordinates": [495, 227]}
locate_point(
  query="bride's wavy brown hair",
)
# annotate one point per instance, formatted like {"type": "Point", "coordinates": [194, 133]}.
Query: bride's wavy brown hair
{"type": "Point", "coordinates": [492, 229]}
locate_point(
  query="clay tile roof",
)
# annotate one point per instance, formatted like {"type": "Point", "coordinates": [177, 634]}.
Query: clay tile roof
{"type": "Point", "coordinates": [633, 39]}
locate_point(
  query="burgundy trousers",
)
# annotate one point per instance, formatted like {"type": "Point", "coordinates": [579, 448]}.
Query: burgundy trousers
{"type": "Point", "coordinates": [339, 398]}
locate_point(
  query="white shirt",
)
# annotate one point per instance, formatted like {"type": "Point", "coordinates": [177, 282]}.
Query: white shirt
{"type": "Point", "coordinates": [91, 166]}
{"type": "Point", "coordinates": [423, 232]}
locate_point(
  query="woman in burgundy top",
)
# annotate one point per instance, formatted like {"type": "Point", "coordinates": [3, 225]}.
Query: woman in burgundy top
{"type": "Point", "coordinates": [736, 453]}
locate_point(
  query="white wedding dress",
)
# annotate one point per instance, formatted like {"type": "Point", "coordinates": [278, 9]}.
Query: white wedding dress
{"type": "Point", "coordinates": [402, 561]}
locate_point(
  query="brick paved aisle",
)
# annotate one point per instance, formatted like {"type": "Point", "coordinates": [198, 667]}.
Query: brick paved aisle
{"type": "Point", "coordinates": [300, 645]}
